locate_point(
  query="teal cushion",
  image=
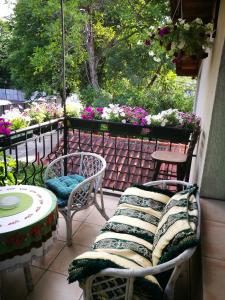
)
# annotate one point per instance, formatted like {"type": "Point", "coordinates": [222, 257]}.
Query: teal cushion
{"type": "Point", "coordinates": [61, 202]}
{"type": "Point", "coordinates": [62, 186]}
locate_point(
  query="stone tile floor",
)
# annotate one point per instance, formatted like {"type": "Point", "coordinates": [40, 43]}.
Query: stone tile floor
{"type": "Point", "coordinates": [50, 272]}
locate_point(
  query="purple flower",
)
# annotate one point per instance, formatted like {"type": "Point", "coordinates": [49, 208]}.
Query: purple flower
{"type": "Point", "coordinates": [148, 42]}
{"type": "Point", "coordinates": [99, 110]}
{"type": "Point", "coordinates": [163, 31]}
{"type": "Point", "coordinates": [4, 127]}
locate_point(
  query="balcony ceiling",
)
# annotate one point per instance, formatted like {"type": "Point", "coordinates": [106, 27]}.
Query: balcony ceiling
{"type": "Point", "coordinates": [204, 9]}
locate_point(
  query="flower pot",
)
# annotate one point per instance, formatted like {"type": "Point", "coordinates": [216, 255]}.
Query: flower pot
{"type": "Point", "coordinates": [121, 129]}
{"type": "Point", "coordinates": [188, 66]}
{"type": "Point", "coordinates": [173, 134]}
{"type": "Point", "coordinates": [91, 125]}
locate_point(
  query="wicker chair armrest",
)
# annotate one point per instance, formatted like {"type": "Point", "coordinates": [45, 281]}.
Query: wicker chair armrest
{"type": "Point", "coordinates": [83, 190]}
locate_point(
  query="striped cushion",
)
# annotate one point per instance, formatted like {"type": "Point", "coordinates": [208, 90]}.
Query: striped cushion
{"type": "Point", "coordinates": [138, 213]}
{"type": "Point", "coordinates": [176, 230]}
{"type": "Point", "coordinates": [126, 241]}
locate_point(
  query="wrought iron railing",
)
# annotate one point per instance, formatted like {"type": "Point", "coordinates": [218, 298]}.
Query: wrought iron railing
{"type": "Point", "coordinates": [25, 153]}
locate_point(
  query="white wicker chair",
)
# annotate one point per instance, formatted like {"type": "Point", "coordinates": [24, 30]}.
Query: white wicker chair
{"type": "Point", "coordinates": [127, 276]}
{"type": "Point", "coordinates": [92, 167]}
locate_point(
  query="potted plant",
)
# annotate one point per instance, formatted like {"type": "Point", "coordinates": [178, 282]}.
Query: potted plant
{"type": "Point", "coordinates": [185, 42]}
{"type": "Point", "coordinates": [82, 118]}
{"type": "Point", "coordinates": [18, 120]}
{"type": "Point", "coordinates": [124, 120]}
{"type": "Point", "coordinates": [40, 112]}
{"type": "Point", "coordinates": [172, 125]}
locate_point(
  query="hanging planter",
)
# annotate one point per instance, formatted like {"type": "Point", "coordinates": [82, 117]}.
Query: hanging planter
{"type": "Point", "coordinates": [185, 42]}
{"type": "Point", "coordinates": [188, 66]}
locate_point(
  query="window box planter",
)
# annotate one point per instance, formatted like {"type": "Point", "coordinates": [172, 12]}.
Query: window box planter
{"type": "Point", "coordinates": [173, 134]}
{"type": "Point", "coordinates": [76, 123]}
{"type": "Point", "coordinates": [6, 141]}
{"type": "Point", "coordinates": [188, 66]}
{"type": "Point", "coordinates": [121, 129]}
{"type": "Point", "coordinates": [47, 128]}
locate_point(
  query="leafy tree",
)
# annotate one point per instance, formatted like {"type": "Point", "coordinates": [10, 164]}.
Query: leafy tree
{"type": "Point", "coordinates": [5, 35]}
{"type": "Point", "coordinates": [113, 30]}
{"type": "Point", "coordinates": [36, 58]}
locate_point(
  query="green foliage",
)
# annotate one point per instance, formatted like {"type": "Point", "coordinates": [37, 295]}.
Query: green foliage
{"type": "Point", "coordinates": [5, 35]}
{"type": "Point", "coordinates": [167, 91]}
{"type": "Point", "coordinates": [96, 98]}
{"type": "Point", "coordinates": [32, 173]}
{"type": "Point", "coordinates": [18, 173]}
{"type": "Point", "coordinates": [35, 57]}
{"type": "Point", "coordinates": [6, 175]}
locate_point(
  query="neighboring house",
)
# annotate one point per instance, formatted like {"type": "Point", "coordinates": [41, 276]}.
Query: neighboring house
{"type": "Point", "coordinates": [10, 97]}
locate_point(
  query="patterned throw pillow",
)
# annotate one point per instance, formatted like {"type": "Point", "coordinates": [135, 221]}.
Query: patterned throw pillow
{"type": "Point", "coordinates": [176, 230]}
{"type": "Point", "coordinates": [62, 186]}
{"type": "Point", "coordinates": [138, 213]}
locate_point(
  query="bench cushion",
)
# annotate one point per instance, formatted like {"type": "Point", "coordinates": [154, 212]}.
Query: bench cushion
{"type": "Point", "coordinates": [176, 230]}
{"type": "Point", "coordinates": [138, 213]}
{"type": "Point", "coordinates": [126, 241]}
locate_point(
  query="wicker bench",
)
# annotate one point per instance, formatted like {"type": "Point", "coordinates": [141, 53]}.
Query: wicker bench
{"type": "Point", "coordinates": [135, 256]}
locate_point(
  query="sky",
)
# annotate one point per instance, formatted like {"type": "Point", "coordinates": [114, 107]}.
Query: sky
{"type": "Point", "coordinates": [6, 9]}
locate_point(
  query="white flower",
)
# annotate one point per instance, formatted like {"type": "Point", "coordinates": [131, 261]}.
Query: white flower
{"type": "Point", "coordinates": [122, 114]}
{"type": "Point", "coordinates": [74, 109]}
{"type": "Point", "coordinates": [181, 21]}
{"type": "Point", "coordinates": [152, 28]}
{"type": "Point", "coordinates": [186, 26]}
{"type": "Point", "coordinates": [139, 42]}
{"type": "Point", "coordinates": [173, 46]}
{"type": "Point", "coordinates": [156, 59]}
{"type": "Point", "coordinates": [168, 20]}
{"type": "Point", "coordinates": [181, 45]}
{"type": "Point", "coordinates": [163, 123]}
{"type": "Point", "coordinates": [209, 26]}
{"type": "Point", "coordinates": [198, 21]}
{"type": "Point", "coordinates": [151, 53]}
{"type": "Point", "coordinates": [148, 119]}
{"type": "Point", "coordinates": [124, 121]}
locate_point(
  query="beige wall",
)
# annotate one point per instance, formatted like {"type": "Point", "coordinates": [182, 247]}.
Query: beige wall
{"type": "Point", "coordinates": [205, 102]}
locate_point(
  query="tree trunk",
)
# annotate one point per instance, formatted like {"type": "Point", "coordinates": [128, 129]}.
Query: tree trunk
{"type": "Point", "coordinates": [92, 61]}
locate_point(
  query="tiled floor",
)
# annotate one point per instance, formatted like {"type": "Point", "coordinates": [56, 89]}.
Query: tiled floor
{"type": "Point", "coordinates": [50, 272]}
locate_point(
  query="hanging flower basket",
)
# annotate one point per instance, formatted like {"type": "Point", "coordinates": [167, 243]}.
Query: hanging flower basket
{"type": "Point", "coordinates": [173, 134]}
{"type": "Point", "coordinates": [188, 66]}
{"type": "Point", "coordinates": [121, 129]}
{"type": "Point", "coordinates": [185, 43]}
{"type": "Point", "coordinates": [76, 123]}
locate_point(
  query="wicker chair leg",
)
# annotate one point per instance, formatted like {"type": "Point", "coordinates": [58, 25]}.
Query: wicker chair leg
{"type": "Point", "coordinates": [102, 208]}
{"type": "Point", "coordinates": [69, 231]}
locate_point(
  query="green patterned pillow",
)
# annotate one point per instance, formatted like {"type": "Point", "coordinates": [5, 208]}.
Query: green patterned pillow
{"type": "Point", "coordinates": [176, 230]}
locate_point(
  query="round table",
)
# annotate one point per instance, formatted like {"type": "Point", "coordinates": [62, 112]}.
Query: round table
{"type": "Point", "coordinates": [28, 230]}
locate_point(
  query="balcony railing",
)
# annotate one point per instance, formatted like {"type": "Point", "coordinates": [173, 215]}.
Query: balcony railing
{"type": "Point", "coordinates": [127, 150]}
